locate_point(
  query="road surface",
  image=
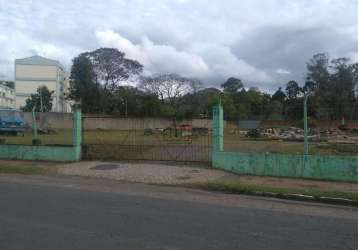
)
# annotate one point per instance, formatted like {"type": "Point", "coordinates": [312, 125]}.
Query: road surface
{"type": "Point", "coordinates": [39, 213]}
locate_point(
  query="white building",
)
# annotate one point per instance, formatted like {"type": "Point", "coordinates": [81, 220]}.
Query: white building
{"type": "Point", "coordinates": [7, 96]}
{"type": "Point", "coordinates": [36, 71]}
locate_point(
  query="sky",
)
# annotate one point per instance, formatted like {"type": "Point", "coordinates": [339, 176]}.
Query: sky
{"type": "Point", "coordinates": [263, 42]}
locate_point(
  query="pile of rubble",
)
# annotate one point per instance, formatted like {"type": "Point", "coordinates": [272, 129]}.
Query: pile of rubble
{"type": "Point", "coordinates": [316, 134]}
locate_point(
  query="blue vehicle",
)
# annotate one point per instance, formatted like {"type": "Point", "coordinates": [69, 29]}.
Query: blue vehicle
{"type": "Point", "coordinates": [11, 122]}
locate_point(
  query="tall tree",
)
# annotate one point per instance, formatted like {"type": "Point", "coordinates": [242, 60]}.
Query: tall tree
{"type": "Point", "coordinates": [293, 90]}
{"type": "Point", "coordinates": [112, 67]}
{"type": "Point", "coordinates": [170, 88]}
{"type": "Point", "coordinates": [279, 96]}
{"type": "Point", "coordinates": [318, 70]}
{"type": "Point", "coordinates": [232, 85]}
{"type": "Point", "coordinates": [83, 87]}
{"type": "Point", "coordinates": [40, 101]}
{"type": "Point", "coordinates": [318, 76]}
{"type": "Point", "coordinates": [342, 88]}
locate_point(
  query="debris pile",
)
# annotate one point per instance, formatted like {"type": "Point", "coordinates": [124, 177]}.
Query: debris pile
{"type": "Point", "coordinates": [315, 134]}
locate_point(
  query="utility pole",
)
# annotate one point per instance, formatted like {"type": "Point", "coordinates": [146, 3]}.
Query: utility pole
{"type": "Point", "coordinates": [34, 125]}
{"type": "Point", "coordinates": [305, 118]}
{"type": "Point", "coordinates": [126, 101]}
{"type": "Point", "coordinates": [41, 104]}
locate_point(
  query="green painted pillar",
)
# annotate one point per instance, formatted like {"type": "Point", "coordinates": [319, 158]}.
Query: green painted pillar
{"type": "Point", "coordinates": [76, 131]}
{"type": "Point", "coordinates": [305, 118]}
{"type": "Point", "coordinates": [218, 128]}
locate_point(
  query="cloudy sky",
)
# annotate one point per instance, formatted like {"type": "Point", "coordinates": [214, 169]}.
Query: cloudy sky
{"type": "Point", "coordinates": [264, 42]}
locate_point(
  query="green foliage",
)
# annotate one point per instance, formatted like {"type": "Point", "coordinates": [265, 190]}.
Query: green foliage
{"type": "Point", "coordinates": [83, 87]}
{"type": "Point", "coordinates": [232, 85]}
{"type": "Point", "coordinates": [279, 96]}
{"type": "Point", "coordinates": [40, 101]}
{"type": "Point", "coordinates": [97, 78]}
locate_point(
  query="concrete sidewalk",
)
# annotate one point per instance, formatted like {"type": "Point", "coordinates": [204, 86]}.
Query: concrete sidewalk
{"type": "Point", "coordinates": [160, 173]}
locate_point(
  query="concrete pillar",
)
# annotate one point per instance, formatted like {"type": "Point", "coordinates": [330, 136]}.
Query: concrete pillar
{"type": "Point", "coordinates": [305, 120]}
{"type": "Point", "coordinates": [218, 128]}
{"type": "Point", "coordinates": [76, 131]}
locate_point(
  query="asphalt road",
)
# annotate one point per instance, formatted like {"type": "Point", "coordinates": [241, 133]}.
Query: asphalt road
{"type": "Point", "coordinates": [34, 216]}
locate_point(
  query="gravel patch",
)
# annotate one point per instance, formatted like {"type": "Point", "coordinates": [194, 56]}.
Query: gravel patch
{"type": "Point", "coordinates": [146, 173]}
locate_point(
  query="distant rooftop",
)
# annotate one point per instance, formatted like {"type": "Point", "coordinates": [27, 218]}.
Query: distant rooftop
{"type": "Point", "coordinates": [38, 60]}
{"type": "Point", "coordinates": [7, 84]}
{"type": "Point", "coordinates": [248, 125]}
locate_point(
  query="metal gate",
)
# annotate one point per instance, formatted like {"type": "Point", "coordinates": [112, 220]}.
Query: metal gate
{"type": "Point", "coordinates": [151, 139]}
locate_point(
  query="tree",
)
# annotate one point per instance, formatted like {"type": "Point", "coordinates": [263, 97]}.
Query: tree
{"type": "Point", "coordinates": [279, 96]}
{"type": "Point", "coordinates": [40, 101]}
{"type": "Point", "coordinates": [318, 72]}
{"type": "Point", "coordinates": [131, 101]}
{"type": "Point", "coordinates": [83, 87]}
{"type": "Point", "coordinates": [112, 67]}
{"type": "Point", "coordinates": [293, 90]}
{"type": "Point", "coordinates": [342, 88]}
{"type": "Point", "coordinates": [170, 88]}
{"type": "Point", "coordinates": [232, 85]}
{"type": "Point", "coordinates": [198, 104]}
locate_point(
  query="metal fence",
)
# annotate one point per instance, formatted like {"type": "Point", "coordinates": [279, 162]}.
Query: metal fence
{"type": "Point", "coordinates": [50, 129]}
{"type": "Point", "coordinates": [113, 138]}
{"type": "Point", "coordinates": [325, 138]}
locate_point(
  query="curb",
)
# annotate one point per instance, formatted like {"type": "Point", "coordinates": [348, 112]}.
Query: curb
{"type": "Point", "coordinates": [301, 197]}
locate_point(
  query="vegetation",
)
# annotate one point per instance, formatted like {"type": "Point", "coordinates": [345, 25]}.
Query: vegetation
{"type": "Point", "coordinates": [100, 80]}
{"type": "Point", "coordinates": [281, 192]}
{"type": "Point", "coordinates": [23, 169]}
{"type": "Point", "coordinates": [40, 101]}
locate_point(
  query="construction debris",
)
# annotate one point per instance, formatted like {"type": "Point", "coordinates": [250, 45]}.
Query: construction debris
{"type": "Point", "coordinates": [316, 134]}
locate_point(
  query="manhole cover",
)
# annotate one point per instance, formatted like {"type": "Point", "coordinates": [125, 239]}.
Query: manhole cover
{"type": "Point", "coordinates": [105, 167]}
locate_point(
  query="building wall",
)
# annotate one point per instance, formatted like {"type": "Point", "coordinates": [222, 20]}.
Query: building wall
{"type": "Point", "coordinates": [29, 87]}
{"type": "Point", "coordinates": [7, 97]}
{"type": "Point", "coordinates": [36, 72]}
{"type": "Point", "coordinates": [30, 77]}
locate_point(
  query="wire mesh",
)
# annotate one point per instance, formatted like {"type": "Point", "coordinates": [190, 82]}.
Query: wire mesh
{"type": "Point", "coordinates": [155, 139]}
{"type": "Point", "coordinates": [52, 128]}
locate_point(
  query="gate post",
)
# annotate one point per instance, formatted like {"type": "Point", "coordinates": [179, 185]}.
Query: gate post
{"type": "Point", "coordinates": [76, 131]}
{"type": "Point", "coordinates": [218, 128]}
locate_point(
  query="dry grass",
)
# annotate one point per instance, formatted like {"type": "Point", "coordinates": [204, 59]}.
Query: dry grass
{"type": "Point", "coordinates": [232, 142]}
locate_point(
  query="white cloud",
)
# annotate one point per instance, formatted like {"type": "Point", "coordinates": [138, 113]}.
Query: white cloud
{"type": "Point", "coordinates": [193, 38]}
{"type": "Point", "coordinates": [203, 62]}
{"type": "Point", "coordinates": [283, 72]}
{"type": "Point", "coordinates": [155, 58]}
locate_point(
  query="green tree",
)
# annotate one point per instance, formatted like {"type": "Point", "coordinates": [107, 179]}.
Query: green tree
{"type": "Point", "coordinates": [83, 87]}
{"type": "Point", "coordinates": [279, 96]}
{"type": "Point", "coordinates": [170, 88]}
{"type": "Point", "coordinates": [342, 87]}
{"type": "Point", "coordinates": [318, 71]}
{"type": "Point", "coordinates": [293, 90]}
{"type": "Point", "coordinates": [40, 101]}
{"type": "Point", "coordinates": [232, 85]}
{"type": "Point", "coordinates": [111, 67]}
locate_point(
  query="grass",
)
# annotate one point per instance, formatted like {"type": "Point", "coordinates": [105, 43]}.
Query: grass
{"type": "Point", "coordinates": [232, 142]}
{"type": "Point", "coordinates": [248, 189]}
{"type": "Point", "coordinates": [23, 169]}
{"type": "Point", "coordinates": [125, 137]}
